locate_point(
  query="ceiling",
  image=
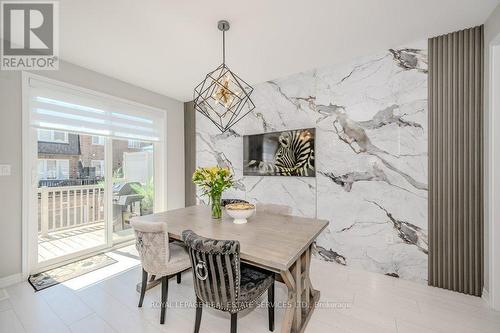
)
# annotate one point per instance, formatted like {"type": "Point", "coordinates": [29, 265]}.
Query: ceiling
{"type": "Point", "coordinates": [168, 46]}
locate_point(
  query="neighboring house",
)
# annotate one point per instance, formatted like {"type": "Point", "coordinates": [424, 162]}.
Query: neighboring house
{"type": "Point", "coordinates": [59, 154]}
{"type": "Point", "coordinates": [92, 153]}
{"type": "Point", "coordinates": [120, 147]}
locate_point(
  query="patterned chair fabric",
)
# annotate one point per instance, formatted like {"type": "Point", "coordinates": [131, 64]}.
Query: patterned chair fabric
{"type": "Point", "coordinates": [220, 280]}
{"type": "Point", "coordinates": [158, 257]}
{"type": "Point", "coordinates": [254, 282]}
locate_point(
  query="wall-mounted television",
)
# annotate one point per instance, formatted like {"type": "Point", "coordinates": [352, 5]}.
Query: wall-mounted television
{"type": "Point", "coordinates": [287, 153]}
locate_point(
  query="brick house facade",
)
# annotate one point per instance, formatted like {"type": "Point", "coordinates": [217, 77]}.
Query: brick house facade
{"type": "Point", "coordinates": [92, 149]}
{"type": "Point", "coordinates": [69, 150]}
{"type": "Point", "coordinates": [87, 149]}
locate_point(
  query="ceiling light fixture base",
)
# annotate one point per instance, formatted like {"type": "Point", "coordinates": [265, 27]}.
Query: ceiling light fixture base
{"type": "Point", "coordinates": [223, 25]}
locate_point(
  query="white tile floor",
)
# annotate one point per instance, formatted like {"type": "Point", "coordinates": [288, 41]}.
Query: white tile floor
{"type": "Point", "coordinates": [106, 301]}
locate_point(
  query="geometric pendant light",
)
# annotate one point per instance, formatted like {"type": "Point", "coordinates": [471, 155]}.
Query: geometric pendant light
{"type": "Point", "coordinates": [223, 97]}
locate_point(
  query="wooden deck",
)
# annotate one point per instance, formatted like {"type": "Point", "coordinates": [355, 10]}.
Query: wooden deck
{"type": "Point", "coordinates": [63, 242]}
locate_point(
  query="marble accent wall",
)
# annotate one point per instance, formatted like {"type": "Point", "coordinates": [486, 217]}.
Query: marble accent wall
{"type": "Point", "coordinates": [370, 117]}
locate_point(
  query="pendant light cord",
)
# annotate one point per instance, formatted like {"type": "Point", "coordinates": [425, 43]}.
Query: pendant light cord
{"type": "Point", "coordinates": [223, 47]}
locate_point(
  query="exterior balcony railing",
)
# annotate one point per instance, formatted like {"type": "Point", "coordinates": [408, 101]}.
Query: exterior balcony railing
{"type": "Point", "coordinates": [65, 207]}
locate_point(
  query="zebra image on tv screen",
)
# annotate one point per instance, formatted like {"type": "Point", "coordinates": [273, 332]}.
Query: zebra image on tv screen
{"type": "Point", "coordinates": [288, 153]}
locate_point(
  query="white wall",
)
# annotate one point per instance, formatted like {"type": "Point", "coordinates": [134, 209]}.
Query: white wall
{"type": "Point", "coordinates": [492, 154]}
{"type": "Point", "coordinates": [11, 147]}
{"type": "Point", "coordinates": [10, 187]}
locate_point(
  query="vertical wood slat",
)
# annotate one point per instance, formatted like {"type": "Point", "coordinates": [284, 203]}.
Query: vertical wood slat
{"type": "Point", "coordinates": [454, 231]}
{"type": "Point", "coordinates": [87, 209]}
{"type": "Point", "coordinates": [81, 206]}
{"type": "Point", "coordinates": [465, 134]}
{"type": "Point", "coordinates": [460, 158]}
{"type": "Point", "coordinates": [456, 160]}
{"type": "Point", "coordinates": [68, 218]}
{"type": "Point", "coordinates": [54, 209]}
{"type": "Point", "coordinates": [98, 204]}
{"type": "Point", "coordinates": [94, 217]}
{"type": "Point", "coordinates": [61, 215]}
{"type": "Point", "coordinates": [75, 219]}
{"type": "Point", "coordinates": [430, 89]}
{"type": "Point", "coordinates": [480, 160]}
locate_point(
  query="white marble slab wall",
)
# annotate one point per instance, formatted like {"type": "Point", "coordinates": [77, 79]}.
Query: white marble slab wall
{"type": "Point", "coordinates": [371, 157]}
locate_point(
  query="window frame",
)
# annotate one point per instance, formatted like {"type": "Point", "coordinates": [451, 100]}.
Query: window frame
{"type": "Point", "coordinates": [134, 144]}
{"type": "Point", "coordinates": [102, 170]}
{"type": "Point", "coordinates": [58, 168]}
{"type": "Point", "coordinates": [101, 140]}
{"type": "Point", "coordinates": [52, 135]}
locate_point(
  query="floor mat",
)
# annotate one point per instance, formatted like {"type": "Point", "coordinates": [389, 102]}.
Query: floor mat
{"type": "Point", "coordinates": [57, 275]}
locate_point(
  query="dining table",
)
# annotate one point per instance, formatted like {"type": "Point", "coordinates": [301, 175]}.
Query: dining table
{"type": "Point", "coordinates": [280, 243]}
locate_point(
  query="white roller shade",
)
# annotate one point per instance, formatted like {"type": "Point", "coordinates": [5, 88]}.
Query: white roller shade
{"type": "Point", "coordinates": [68, 108]}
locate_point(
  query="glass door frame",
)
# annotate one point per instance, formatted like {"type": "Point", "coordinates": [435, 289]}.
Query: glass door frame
{"type": "Point", "coordinates": [29, 235]}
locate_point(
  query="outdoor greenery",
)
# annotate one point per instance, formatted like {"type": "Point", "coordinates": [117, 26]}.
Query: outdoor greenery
{"type": "Point", "coordinates": [147, 190]}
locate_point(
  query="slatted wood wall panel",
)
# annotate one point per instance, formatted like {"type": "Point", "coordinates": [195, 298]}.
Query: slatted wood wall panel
{"type": "Point", "coordinates": [456, 161]}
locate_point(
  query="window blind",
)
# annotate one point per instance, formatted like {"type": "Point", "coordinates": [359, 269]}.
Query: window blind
{"type": "Point", "coordinates": [60, 107]}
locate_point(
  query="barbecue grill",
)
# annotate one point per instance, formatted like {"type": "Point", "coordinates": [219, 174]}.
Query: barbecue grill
{"type": "Point", "coordinates": [126, 204]}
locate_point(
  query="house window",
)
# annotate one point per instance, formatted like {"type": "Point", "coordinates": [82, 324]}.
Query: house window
{"type": "Point", "coordinates": [98, 140]}
{"type": "Point", "coordinates": [53, 169]}
{"type": "Point", "coordinates": [52, 136]}
{"type": "Point", "coordinates": [99, 167]}
{"type": "Point", "coordinates": [134, 144]}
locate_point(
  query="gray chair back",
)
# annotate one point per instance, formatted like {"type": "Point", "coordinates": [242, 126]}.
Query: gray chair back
{"type": "Point", "coordinates": [274, 209]}
{"type": "Point", "coordinates": [216, 270]}
{"type": "Point", "coordinates": [152, 244]}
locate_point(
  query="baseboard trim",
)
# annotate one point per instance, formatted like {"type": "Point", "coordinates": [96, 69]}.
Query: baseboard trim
{"type": "Point", "coordinates": [10, 280]}
{"type": "Point", "coordinates": [486, 296]}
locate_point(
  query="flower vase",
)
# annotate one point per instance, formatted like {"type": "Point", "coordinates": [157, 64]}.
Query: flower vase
{"type": "Point", "coordinates": [216, 206]}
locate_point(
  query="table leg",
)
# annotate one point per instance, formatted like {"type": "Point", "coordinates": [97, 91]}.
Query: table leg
{"type": "Point", "coordinates": [302, 297]}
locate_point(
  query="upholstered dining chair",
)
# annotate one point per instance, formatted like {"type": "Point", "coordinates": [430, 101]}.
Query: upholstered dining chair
{"type": "Point", "coordinates": [274, 209]}
{"type": "Point", "coordinates": [159, 257]}
{"type": "Point", "coordinates": [222, 282]}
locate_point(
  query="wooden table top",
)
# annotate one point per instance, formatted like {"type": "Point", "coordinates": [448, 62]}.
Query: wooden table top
{"type": "Point", "coordinates": [268, 240]}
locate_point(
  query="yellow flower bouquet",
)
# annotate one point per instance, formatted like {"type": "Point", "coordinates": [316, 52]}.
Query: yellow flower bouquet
{"type": "Point", "coordinates": [213, 181]}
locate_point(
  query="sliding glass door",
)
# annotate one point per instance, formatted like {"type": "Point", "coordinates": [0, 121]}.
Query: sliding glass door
{"type": "Point", "coordinates": [98, 163]}
{"type": "Point", "coordinates": [71, 195]}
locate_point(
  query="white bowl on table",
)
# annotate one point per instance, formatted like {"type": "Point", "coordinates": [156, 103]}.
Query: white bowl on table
{"type": "Point", "coordinates": [240, 215]}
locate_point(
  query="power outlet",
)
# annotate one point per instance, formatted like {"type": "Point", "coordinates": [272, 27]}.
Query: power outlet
{"type": "Point", "coordinates": [5, 170]}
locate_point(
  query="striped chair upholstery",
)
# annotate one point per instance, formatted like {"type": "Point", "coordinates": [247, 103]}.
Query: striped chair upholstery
{"type": "Point", "coordinates": [220, 280]}
{"type": "Point", "coordinates": [216, 270]}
